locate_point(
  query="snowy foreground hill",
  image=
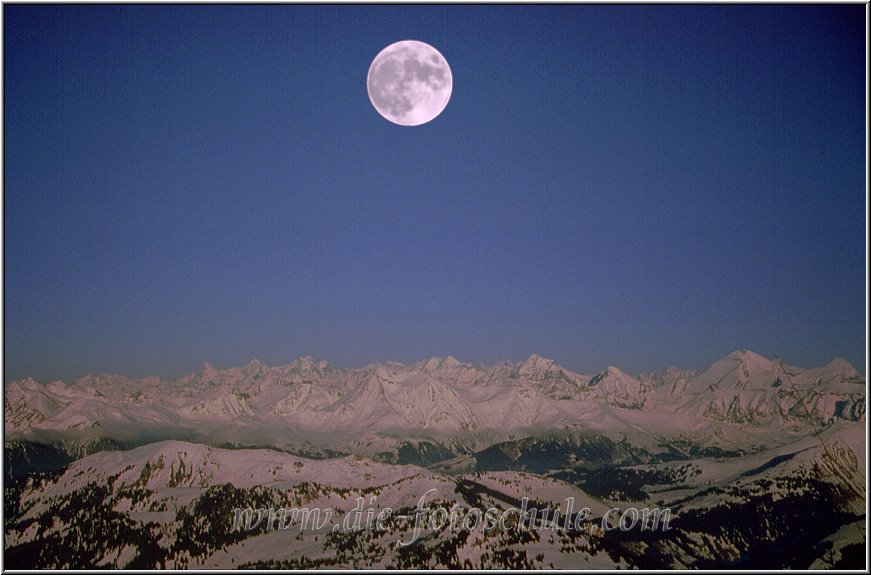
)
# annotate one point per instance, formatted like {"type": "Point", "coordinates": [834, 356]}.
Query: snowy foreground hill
{"type": "Point", "coordinates": [114, 472]}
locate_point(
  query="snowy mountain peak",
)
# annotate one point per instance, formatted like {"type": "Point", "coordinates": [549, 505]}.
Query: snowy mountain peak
{"type": "Point", "coordinates": [384, 371]}
{"type": "Point", "coordinates": [207, 370]}
{"type": "Point", "coordinates": [536, 359]}
{"type": "Point", "coordinates": [308, 367]}
{"type": "Point", "coordinates": [611, 374]}
{"type": "Point", "coordinates": [28, 383]}
{"type": "Point", "coordinates": [841, 366]}
{"type": "Point", "coordinates": [255, 366]}
{"type": "Point", "coordinates": [616, 371]}
{"type": "Point", "coordinates": [738, 370]}
{"type": "Point", "coordinates": [536, 364]}
{"type": "Point", "coordinates": [451, 361]}
{"type": "Point", "coordinates": [435, 363]}
{"type": "Point", "coordinates": [618, 389]}
{"type": "Point", "coordinates": [750, 359]}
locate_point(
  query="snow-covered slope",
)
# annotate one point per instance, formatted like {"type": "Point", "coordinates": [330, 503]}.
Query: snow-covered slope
{"type": "Point", "coordinates": [171, 504]}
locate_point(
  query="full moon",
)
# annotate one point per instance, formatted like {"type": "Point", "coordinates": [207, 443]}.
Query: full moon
{"type": "Point", "coordinates": [409, 83]}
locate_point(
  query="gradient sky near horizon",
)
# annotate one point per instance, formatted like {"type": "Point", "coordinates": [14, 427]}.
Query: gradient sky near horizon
{"type": "Point", "coordinates": [636, 186]}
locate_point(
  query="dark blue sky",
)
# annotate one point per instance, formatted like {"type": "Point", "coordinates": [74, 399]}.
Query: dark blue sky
{"type": "Point", "coordinates": [632, 185]}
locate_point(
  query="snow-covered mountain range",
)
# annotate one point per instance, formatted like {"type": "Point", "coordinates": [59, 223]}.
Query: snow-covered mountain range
{"type": "Point", "coordinates": [441, 395]}
{"type": "Point", "coordinates": [761, 466]}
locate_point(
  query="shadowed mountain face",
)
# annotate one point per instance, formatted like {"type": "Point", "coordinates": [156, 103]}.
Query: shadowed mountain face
{"type": "Point", "coordinates": [731, 451]}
